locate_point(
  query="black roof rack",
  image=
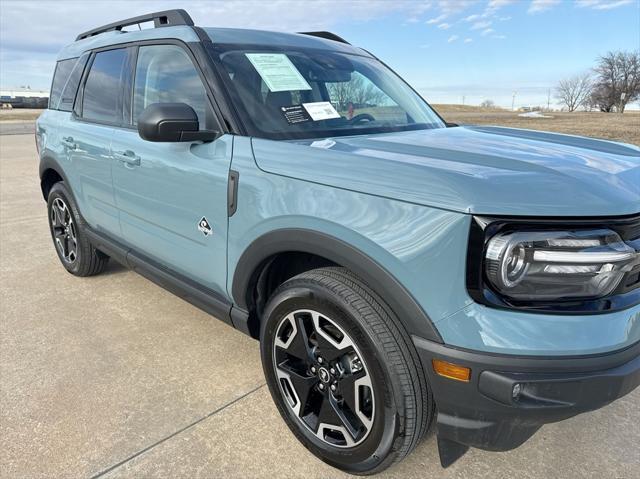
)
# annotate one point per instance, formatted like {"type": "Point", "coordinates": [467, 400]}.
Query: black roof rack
{"type": "Point", "coordinates": [326, 35]}
{"type": "Point", "coordinates": [167, 18]}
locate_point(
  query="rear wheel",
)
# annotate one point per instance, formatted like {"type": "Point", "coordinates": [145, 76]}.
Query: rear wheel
{"type": "Point", "coordinates": [343, 372]}
{"type": "Point", "coordinates": [76, 253]}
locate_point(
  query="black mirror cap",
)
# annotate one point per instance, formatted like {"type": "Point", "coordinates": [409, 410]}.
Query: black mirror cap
{"type": "Point", "coordinates": [171, 122]}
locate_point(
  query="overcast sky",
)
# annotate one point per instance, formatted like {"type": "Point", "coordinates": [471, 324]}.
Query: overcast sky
{"type": "Point", "coordinates": [447, 49]}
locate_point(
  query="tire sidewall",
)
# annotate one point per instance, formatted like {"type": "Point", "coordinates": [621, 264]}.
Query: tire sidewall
{"type": "Point", "coordinates": [380, 442]}
{"type": "Point", "coordinates": [59, 190]}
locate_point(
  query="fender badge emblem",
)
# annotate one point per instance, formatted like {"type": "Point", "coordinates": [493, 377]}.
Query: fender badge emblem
{"type": "Point", "coordinates": [204, 227]}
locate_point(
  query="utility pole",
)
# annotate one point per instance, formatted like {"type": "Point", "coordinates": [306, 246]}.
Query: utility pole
{"type": "Point", "coordinates": [513, 101]}
{"type": "Point", "coordinates": [549, 99]}
{"type": "Point", "coordinates": [463, 98]}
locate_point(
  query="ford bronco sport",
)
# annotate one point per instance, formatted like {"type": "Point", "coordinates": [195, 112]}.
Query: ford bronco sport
{"type": "Point", "coordinates": [398, 271]}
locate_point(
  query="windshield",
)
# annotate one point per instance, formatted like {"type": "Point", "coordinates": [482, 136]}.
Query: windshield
{"type": "Point", "coordinates": [293, 93]}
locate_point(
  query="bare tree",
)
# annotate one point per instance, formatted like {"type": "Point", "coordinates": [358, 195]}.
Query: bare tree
{"type": "Point", "coordinates": [618, 80]}
{"type": "Point", "coordinates": [487, 104]}
{"type": "Point", "coordinates": [573, 92]}
{"type": "Point", "coordinates": [601, 98]}
{"type": "Point", "coordinates": [359, 92]}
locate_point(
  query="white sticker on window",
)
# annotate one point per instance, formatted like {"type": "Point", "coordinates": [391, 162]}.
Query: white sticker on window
{"type": "Point", "coordinates": [278, 72]}
{"type": "Point", "coordinates": [321, 110]}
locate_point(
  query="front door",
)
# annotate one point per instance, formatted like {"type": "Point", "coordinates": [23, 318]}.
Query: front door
{"type": "Point", "coordinates": [172, 197]}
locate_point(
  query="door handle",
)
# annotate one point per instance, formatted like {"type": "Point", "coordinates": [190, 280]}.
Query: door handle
{"type": "Point", "coordinates": [128, 157]}
{"type": "Point", "coordinates": [68, 141]}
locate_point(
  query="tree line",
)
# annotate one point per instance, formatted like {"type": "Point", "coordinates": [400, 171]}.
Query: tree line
{"type": "Point", "coordinates": [610, 86]}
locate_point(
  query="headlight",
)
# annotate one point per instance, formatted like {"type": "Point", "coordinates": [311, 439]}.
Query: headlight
{"type": "Point", "coordinates": [557, 265]}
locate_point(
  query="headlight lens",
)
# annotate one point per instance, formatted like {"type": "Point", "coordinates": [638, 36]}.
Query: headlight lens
{"type": "Point", "coordinates": [555, 265]}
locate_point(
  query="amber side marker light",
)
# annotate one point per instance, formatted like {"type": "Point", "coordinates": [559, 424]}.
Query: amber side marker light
{"type": "Point", "coordinates": [451, 371]}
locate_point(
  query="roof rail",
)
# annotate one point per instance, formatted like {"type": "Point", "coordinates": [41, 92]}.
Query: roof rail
{"type": "Point", "coordinates": [326, 35]}
{"type": "Point", "coordinates": [167, 18]}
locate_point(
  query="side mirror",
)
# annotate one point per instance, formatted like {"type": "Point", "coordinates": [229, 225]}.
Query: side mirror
{"type": "Point", "coordinates": [172, 122]}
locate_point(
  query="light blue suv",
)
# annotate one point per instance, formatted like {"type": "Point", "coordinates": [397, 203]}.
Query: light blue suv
{"type": "Point", "coordinates": [399, 271]}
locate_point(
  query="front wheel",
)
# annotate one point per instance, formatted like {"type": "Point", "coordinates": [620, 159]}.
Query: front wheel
{"type": "Point", "coordinates": [343, 372]}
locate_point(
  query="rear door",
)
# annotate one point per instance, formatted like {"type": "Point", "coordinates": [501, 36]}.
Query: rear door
{"type": "Point", "coordinates": [89, 133]}
{"type": "Point", "coordinates": [172, 197]}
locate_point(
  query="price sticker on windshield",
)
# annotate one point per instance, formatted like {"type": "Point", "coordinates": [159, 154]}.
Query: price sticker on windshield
{"type": "Point", "coordinates": [321, 110]}
{"type": "Point", "coordinates": [278, 72]}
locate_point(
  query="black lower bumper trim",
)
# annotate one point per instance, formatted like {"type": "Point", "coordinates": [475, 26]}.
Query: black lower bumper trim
{"type": "Point", "coordinates": [509, 398]}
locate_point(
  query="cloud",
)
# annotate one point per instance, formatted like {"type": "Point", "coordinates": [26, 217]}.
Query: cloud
{"type": "Point", "coordinates": [499, 3]}
{"type": "Point", "coordinates": [444, 26]}
{"type": "Point", "coordinates": [468, 40]}
{"type": "Point", "coordinates": [426, 45]}
{"type": "Point", "coordinates": [499, 37]}
{"type": "Point", "coordinates": [539, 6]}
{"type": "Point", "coordinates": [481, 25]}
{"type": "Point", "coordinates": [437, 19]}
{"type": "Point", "coordinates": [452, 38]}
{"type": "Point", "coordinates": [451, 7]}
{"type": "Point", "coordinates": [602, 4]}
{"type": "Point", "coordinates": [504, 19]}
{"type": "Point", "coordinates": [473, 17]}
{"type": "Point", "coordinates": [487, 31]}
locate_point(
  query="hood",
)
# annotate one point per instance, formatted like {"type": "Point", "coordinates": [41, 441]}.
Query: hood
{"type": "Point", "coordinates": [480, 170]}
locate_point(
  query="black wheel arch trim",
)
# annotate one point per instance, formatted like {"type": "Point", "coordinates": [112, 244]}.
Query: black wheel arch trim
{"type": "Point", "coordinates": [333, 249]}
{"type": "Point", "coordinates": [49, 163]}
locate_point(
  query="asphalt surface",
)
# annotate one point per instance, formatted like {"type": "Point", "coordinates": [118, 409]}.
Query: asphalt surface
{"type": "Point", "coordinates": [112, 376]}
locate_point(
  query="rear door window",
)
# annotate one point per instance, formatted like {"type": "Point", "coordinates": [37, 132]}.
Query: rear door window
{"type": "Point", "coordinates": [102, 96]}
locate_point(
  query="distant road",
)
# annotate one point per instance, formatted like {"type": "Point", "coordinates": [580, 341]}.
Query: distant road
{"type": "Point", "coordinates": [17, 127]}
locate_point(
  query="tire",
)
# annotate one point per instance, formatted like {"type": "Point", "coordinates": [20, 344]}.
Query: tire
{"type": "Point", "coordinates": [380, 386]}
{"type": "Point", "coordinates": [74, 250]}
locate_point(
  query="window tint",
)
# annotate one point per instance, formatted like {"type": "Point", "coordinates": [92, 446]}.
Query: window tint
{"type": "Point", "coordinates": [165, 74]}
{"type": "Point", "coordinates": [71, 88]}
{"type": "Point", "coordinates": [60, 77]}
{"type": "Point", "coordinates": [101, 97]}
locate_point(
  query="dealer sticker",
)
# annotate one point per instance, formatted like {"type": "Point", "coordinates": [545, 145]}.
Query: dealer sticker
{"type": "Point", "coordinates": [321, 110]}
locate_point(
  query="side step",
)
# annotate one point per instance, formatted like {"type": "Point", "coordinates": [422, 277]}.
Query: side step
{"type": "Point", "coordinates": [450, 451]}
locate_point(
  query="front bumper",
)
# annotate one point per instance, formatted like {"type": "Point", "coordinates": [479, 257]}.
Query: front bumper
{"type": "Point", "coordinates": [484, 413]}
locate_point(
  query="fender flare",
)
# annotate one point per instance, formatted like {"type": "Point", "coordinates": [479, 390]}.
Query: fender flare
{"type": "Point", "coordinates": [375, 275]}
{"type": "Point", "coordinates": [49, 163]}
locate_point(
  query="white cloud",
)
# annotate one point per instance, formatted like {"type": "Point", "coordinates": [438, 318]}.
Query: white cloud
{"type": "Point", "coordinates": [437, 19]}
{"type": "Point", "coordinates": [538, 6]}
{"type": "Point", "coordinates": [504, 19]}
{"type": "Point", "coordinates": [473, 17]}
{"type": "Point", "coordinates": [499, 37]}
{"type": "Point", "coordinates": [444, 26]}
{"type": "Point", "coordinates": [451, 7]}
{"type": "Point", "coordinates": [452, 38]}
{"type": "Point", "coordinates": [495, 4]}
{"type": "Point", "coordinates": [468, 40]}
{"type": "Point", "coordinates": [487, 31]}
{"type": "Point", "coordinates": [426, 45]}
{"type": "Point", "coordinates": [481, 25]}
{"type": "Point", "coordinates": [602, 4]}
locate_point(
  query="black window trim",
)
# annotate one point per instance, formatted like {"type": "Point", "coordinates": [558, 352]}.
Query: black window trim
{"type": "Point", "coordinates": [191, 50]}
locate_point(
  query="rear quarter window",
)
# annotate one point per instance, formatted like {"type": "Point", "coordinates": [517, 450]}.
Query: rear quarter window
{"type": "Point", "coordinates": [60, 77]}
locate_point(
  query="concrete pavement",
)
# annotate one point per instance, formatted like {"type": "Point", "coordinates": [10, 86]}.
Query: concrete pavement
{"type": "Point", "coordinates": [112, 376]}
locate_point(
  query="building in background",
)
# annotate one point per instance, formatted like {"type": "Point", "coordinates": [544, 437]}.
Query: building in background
{"type": "Point", "coordinates": [23, 97]}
